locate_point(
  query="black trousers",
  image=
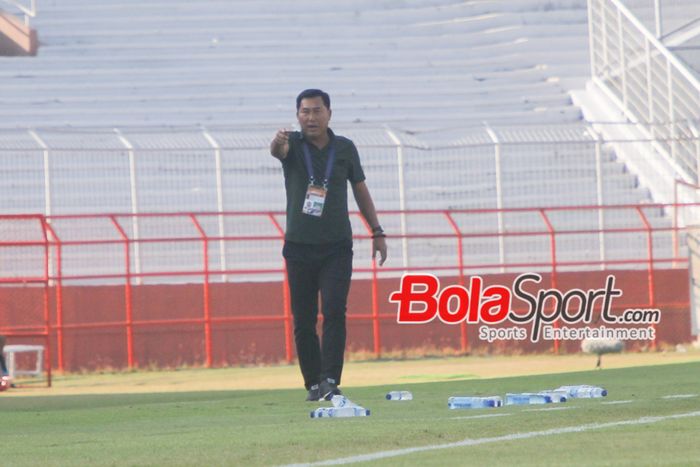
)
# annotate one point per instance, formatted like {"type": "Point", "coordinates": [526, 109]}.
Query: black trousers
{"type": "Point", "coordinates": [323, 270]}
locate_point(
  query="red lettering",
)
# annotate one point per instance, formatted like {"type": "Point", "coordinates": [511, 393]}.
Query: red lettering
{"type": "Point", "coordinates": [500, 302]}
{"type": "Point", "coordinates": [475, 290]}
{"type": "Point", "coordinates": [423, 291]}
{"type": "Point", "coordinates": [407, 296]}
{"type": "Point", "coordinates": [462, 296]}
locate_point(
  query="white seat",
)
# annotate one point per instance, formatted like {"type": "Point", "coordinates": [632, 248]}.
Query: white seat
{"type": "Point", "coordinates": [11, 351]}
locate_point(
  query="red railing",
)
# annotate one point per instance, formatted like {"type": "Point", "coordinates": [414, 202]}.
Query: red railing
{"type": "Point", "coordinates": [53, 228]}
{"type": "Point", "coordinates": [37, 326]}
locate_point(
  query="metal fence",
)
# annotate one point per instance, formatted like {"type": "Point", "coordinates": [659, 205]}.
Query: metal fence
{"type": "Point", "coordinates": [65, 173]}
{"type": "Point", "coordinates": [664, 18]}
{"type": "Point", "coordinates": [56, 172]}
{"type": "Point", "coordinates": [127, 312]}
{"type": "Point", "coordinates": [651, 85]}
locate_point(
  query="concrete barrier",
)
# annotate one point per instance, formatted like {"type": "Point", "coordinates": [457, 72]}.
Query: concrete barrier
{"type": "Point", "coordinates": [16, 38]}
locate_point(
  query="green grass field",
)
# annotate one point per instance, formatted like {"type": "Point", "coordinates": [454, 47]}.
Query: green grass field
{"type": "Point", "coordinates": [272, 427]}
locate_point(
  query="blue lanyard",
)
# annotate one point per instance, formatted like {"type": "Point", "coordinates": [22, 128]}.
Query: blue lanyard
{"type": "Point", "coordinates": [329, 164]}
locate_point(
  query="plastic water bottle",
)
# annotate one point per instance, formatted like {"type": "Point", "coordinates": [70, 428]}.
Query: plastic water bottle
{"type": "Point", "coordinates": [527, 398]}
{"type": "Point", "coordinates": [339, 400]}
{"type": "Point", "coordinates": [556, 395]}
{"type": "Point", "coordinates": [468, 402]}
{"type": "Point", "coordinates": [590, 392]}
{"type": "Point", "coordinates": [399, 396]}
{"type": "Point", "coordinates": [339, 412]}
{"type": "Point", "coordinates": [582, 391]}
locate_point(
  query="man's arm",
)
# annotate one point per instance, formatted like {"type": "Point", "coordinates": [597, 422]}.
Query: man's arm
{"type": "Point", "coordinates": [366, 205]}
{"type": "Point", "coordinates": [279, 147]}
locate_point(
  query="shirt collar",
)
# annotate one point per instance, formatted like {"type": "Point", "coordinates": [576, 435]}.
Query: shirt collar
{"type": "Point", "coordinates": [331, 138]}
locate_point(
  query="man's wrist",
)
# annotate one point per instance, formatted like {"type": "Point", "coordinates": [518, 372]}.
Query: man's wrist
{"type": "Point", "coordinates": [378, 232]}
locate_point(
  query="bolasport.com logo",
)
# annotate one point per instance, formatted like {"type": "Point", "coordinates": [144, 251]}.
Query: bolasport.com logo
{"type": "Point", "coordinates": [420, 300]}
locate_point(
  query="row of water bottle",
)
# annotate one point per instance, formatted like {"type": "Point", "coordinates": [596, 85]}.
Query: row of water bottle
{"type": "Point", "coordinates": [344, 407]}
{"type": "Point", "coordinates": [561, 394]}
{"type": "Point", "coordinates": [582, 391]}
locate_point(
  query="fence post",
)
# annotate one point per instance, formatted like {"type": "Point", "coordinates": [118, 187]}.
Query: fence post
{"type": "Point", "coordinates": [650, 265]}
{"type": "Point", "coordinates": [47, 179]}
{"type": "Point", "coordinates": [134, 200]}
{"type": "Point", "coordinates": [499, 195]}
{"type": "Point", "coordinates": [674, 234]}
{"type": "Point", "coordinates": [606, 50]}
{"type": "Point", "coordinates": [402, 193]}
{"type": "Point", "coordinates": [47, 315]}
{"type": "Point", "coordinates": [671, 123]}
{"type": "Point", "coordinates": [591, 33]}
{"type": "Point", "coordinates": [657, 19]}
{"type": "Point", "coordinates": [599, 196]}
{"type": "Point", "coordinates": [206, 292]}
{"type": "Point", "coordinates": [623, 67]}
{"type": "Point", "coordinates": [128, 305]}
{"type": "Point", "coordinates": [553, 252]}
{"type": "Point", "coordinates": [47, 171]}
{"type": "Point", "coordinates": [219, 198]}
{"type": "Point", "coordinates": [464, 340]}
{"type": "Point", "coordinates": [59, 295]}
{"type": "Point", "coordinates": [651, 118]}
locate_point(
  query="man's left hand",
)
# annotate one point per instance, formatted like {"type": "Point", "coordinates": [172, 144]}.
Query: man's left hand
{"type": "Point", "coordinates": [379, 245]}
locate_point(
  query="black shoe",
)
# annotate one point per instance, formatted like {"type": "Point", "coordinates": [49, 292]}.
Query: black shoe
{"type": "Point", "coordinates": [314, 394]}
{"type": "Point", "coordinates": [327, 389]}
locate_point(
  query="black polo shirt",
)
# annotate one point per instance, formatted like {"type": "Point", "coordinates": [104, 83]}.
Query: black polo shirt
{"type": "Point", "coordinates": [334, 224]}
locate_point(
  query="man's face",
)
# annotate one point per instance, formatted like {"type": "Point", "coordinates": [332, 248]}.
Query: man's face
{"type": "Point", "coordinates": [313, 117]}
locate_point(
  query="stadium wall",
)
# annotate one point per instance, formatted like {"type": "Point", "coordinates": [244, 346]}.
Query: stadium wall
{"type": "Point", "coordinates": [94, 330]}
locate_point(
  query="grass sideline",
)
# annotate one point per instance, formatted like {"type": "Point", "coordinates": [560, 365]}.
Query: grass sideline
{"type": "Point", "coordinates": [272, 427]}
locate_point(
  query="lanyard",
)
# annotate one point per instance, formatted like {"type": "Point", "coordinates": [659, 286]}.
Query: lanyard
{"type": "Point", "coordinates": [329, 164]}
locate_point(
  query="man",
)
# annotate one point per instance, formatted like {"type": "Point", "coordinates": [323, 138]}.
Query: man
{"type": "Point", "coordinates": [3, 365]}
{"type": "Point", "coordinates": [317, 166]}
{"type": "Point", "coordinates": [4, 374]}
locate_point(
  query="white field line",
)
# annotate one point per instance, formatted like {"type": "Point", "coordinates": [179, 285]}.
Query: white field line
{"type": "Point", "coordinates": [617, 402]}
{"type": "Point", "coordinates": [496, 439]}
{"type": "Point", "coordinates": [549, 409]}
{"type": "Point", "coordinates": [679, 396]}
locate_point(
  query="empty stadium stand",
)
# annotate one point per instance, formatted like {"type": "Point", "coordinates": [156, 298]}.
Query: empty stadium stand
{"type": "Point", "coordinates": [415, 65]}
{"type": "Point", "coordinates": [139, 107]}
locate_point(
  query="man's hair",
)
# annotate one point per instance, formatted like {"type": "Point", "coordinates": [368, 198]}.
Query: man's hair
{"type": "Point", "coordinates": [308, 93]}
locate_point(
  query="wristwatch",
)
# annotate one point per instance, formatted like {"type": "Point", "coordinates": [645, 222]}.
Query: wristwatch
{"type": "Point", "coordinates": [378, 232]}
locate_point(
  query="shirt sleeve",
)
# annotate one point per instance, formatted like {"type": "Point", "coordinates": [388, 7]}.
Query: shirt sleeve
{"type": "Point", "coordinates": [355, 172]}
{"type": "Point", "coordinates": [293, 141]}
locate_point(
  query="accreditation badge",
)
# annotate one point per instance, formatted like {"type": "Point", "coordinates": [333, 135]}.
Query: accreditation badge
{"type": "Point", "coordinates": [315, 200]}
